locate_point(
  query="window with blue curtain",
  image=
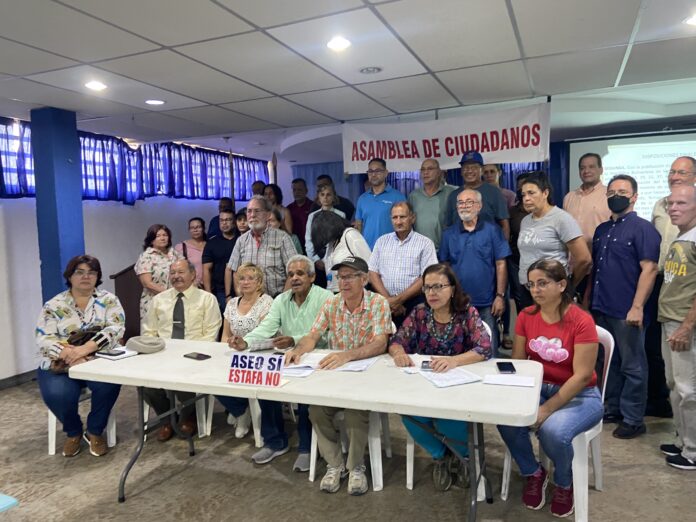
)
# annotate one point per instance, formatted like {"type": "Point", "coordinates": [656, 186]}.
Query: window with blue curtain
{"type": "Point", "coordinates": [16, 163]}
{"type": "Point", "coordinates": [113, 171]}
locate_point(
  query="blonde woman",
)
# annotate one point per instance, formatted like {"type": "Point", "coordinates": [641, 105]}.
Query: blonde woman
{"type": "Point", "coordinates": [242, 315]}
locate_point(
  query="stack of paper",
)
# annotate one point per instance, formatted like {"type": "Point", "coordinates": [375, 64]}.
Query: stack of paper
{"type": "Point", "coordinates": [502, 379]}
{"type": "Point", "coordinates": [453, 377]}
{"type": "Point", "coordinates": [310, 362]}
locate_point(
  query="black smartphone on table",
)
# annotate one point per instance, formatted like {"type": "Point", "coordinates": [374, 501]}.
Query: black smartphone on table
{"type": "Point", "coordinates": [425, 366]}
{"type": "Point", "coordinates": [505, 367]}
{"type": "Point", "coordinates": [197, 356]}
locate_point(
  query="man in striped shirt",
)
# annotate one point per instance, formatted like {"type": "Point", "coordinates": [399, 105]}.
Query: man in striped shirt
{"type": "Point", "coordinates": [398, 260]}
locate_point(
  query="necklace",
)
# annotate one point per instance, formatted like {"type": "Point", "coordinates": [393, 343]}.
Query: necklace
{"type": "Point", "coordinates": [433, 330]}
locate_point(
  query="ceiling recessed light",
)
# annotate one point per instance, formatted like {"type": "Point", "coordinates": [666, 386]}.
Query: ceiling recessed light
{"type": "Point", "coordinates": [95, 85]}
{"type": "Point", "coordinates": [154, 102]}
{"type": "Point", "coordinates": [338, 44]}
{"type": "Point", "coordinates": [371, 70]}
{"type": "Point", "coordinates": [690, 21]}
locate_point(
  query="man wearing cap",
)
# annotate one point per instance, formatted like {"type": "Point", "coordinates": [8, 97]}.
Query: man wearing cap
{"type": "Point", "coordinates": [290, 318]}
{"type": "Point", "coordinates": [477, 252]}
{"type": "Point", "coordinates": [372, 216]}
{"type": "Point", "coordinates": [357, 323]}
{"type": "Point", "coordinates": [181, 312]}
{"type": "Point", "coordinates": [429, 201]}
{"type": "Point", "coordinates": [398, 260]}
{"type": "Point", "coordinates": [493, 207]}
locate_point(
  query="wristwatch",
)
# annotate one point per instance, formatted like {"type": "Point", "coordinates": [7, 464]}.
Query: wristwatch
{"type": "Point", "coordinates": [502, 296]}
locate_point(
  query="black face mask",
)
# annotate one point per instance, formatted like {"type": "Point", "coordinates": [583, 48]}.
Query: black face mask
{"type": "Point", "coordinates": [617, 204]}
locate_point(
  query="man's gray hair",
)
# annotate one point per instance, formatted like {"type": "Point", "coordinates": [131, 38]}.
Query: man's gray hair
{"type": "Point", "coordinates": [299, 258]}
{"type": "Point", "coordinates": [189, 264]}
{"type": "Point", "coordinates": [476, 193]}
{"type": "Point", "coordinates": [267, 206]}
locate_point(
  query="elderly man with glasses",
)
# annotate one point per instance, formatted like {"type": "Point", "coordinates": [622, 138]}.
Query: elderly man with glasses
{"type": "Point", "coordinates": [476, 250]}
{"type": "Point", "coordinates": [357, 324]}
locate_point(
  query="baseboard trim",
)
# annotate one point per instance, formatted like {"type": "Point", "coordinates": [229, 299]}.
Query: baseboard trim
{"type": "Point", "coordinates": [16, 380]}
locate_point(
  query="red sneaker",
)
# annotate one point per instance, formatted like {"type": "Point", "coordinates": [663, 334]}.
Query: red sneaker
{"type": "Point", "coordinates": [534, 493]}
{"type": "Point", "coordinates": [562, 502]}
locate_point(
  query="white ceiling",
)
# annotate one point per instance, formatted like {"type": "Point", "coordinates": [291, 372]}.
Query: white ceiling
{"type": "Point", "coordinates": [256, 70]}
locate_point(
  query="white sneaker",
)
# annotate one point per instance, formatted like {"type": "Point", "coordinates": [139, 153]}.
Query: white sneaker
{"type": "Point", "coordinates": [357, 481]}
{"type": "Point", "coordinates": [331, 482]}
{"type": "Point", "coordinates": [231, 419]}
{"type": "Point", "coordinates": [243, 424]}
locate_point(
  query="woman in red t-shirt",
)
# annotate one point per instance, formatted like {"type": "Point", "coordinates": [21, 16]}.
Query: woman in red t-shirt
{"type": "Point", "coordinates": [563, 338]}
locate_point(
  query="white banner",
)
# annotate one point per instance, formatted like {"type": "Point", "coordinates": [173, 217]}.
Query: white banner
{"type": "Point", "coordinates": [506, 136]}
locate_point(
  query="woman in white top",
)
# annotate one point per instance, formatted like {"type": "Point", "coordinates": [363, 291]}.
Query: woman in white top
{"type": "Point", "coordinates": [326, 197]}
{"type": "Point", "coordinates": [334, 239]}
{"type": "Point", "coordinates": [192, 249]}
{"type": "Point", "coordinates": [242, 315]}
{"type": "Point", "coordinates": [548, 233]}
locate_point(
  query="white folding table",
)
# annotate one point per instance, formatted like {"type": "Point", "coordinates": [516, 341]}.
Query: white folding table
{"type": "Point", "coordinates": [382, 388]}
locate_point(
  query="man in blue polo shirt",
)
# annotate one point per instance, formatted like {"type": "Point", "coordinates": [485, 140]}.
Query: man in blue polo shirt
{"type": "Point", "coordinates": [625, 251]}
{"type": "Point", "coordinates": [476, 250]}
{"type": "Point", "coordinates": [373, 213]}
{"type": "Point", "coordinates": [493, 205]}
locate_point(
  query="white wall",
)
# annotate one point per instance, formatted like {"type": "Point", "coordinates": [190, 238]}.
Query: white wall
{"type": "Point", "coordinates": [114, 233]}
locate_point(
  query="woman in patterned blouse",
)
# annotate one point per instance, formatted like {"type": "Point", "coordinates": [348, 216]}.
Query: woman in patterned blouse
{"type": "Point", "coordinates": [153, 265]}
{"type": "Point", "coordinates": [82, 306]}
{"type": "Point", "coordinates": [448, 328]}
{"type": "Point", "coordinates": [242, 315]}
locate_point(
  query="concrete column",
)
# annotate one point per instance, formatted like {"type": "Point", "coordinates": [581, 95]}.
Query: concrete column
{"type": "Point", "coordinates": [56, 151]}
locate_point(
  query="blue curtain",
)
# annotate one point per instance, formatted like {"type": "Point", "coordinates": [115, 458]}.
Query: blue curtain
{"type": "Point", "coordinates": [347, 186]}
{"type": "Point", "coordinates": [16, 163]}
{"type": "Point", "coordinates": [404, 182]}
{"type": "Point", "coordinates": [245, 171]}
{"type": "Point", "coordinates": [113, 171]}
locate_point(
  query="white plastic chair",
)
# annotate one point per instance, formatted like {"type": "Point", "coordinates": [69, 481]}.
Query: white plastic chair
{"type": "Point", "coordinates": [52, 426]}
{"type": "Point", "coordinates": [410, 451]}
{"type": "Point", "coordinates": [589, 439]}
{"type": "Point", "coordinates": [378, 422]}
{"type": "Point", "coordinates": [201, 418]}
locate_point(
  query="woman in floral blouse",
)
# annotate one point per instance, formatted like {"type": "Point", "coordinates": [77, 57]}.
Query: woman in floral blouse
{"type": "Point", "coordinates": [448, 328]}
{"type": "Point", "coordinates": [153, 265]}
{"type": "Point", "coordinates": [79, 308]}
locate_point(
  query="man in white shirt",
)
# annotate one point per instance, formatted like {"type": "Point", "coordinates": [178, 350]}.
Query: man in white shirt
{"type": "Point", "coordinates": [181, 312]}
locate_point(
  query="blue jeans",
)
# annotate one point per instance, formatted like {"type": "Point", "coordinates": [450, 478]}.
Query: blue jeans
{"type": "Point", "coordinates": [235, 405]}
{"type": "Point", "coordinates": [273, 426]}
{"type": "Point", "coordinates": [627, 384]}
{"type": "Point", "coordinates": [62, 395]}
{"type": "Point", "coordinates": [487, 317]}
{"type": "Point", "coordinates": [456, 432]}
{"type": "Point", "coordinates": [556, 433]}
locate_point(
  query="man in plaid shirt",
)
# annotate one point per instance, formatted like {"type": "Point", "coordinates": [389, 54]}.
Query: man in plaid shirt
{"type": "Point", "coordinates": [358, 324]}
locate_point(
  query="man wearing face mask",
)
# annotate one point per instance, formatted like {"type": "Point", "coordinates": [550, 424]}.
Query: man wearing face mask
{"type": "Point", "coordinates": [625, 251]}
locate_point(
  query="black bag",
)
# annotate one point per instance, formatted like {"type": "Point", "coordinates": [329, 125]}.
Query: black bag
{"type": "Point", "coordinates": [76, 338]}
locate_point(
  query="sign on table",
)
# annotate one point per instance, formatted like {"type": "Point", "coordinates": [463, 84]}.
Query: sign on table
{"type": "Point", "coordinates": [256, 369]}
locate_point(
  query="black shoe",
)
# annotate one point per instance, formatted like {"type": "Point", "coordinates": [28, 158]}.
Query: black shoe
{"type": "Point", "coordinates": [628, 431]}
{"type": "Point", "coordinates": [670, 449]}
{"type": "Point", "coordinates": [681, 462]}
{"type": "Point", "coordinates": [612, 418]}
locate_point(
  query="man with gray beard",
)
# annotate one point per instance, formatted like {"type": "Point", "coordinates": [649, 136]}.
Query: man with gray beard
{"type": "Point", "coordinates": [476, 249]}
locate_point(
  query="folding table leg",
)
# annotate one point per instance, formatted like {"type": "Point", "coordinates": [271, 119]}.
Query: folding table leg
{"type": "Point", "coordinates": [138, 448]}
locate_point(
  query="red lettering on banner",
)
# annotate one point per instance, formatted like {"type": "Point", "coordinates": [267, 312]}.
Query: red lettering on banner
{"type": "Point", "coordinates": [449, 151]}
{"type": "Point", "coordinates": [495, 140]}
{"type": "Point", "coordinates": [525, 136]}
{"type": "Point", "coordinates": [436, 148]}
{"type": "Point", "coordinates": [380, 150]}
{"type": "Point", "coordinates": [354, 152]}
{"type": "Point", "coordinates": [504, 140]}
{"type": "Point", "coordinates": [536, 137]}
{"type": "Point", "coordinates": [472, 143]}
{"type": "Point", "coordinates": [272, 379]}
{"type": "Point", "coordinates": [484, 143]}
{"type": "Point", "coordinates": [515, 138]}
{"type": "Point", "coordinates": [427, 149]}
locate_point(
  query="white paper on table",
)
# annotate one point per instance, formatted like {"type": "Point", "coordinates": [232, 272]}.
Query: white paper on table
{"type": "Point", "coordinates": [308, 360]}
{"type": "Point", "coordinates": [297, 372]}
{"type": "Point", "coordinates": [261, 344]}
{"type": "Point", "coordinates": [453, 377]}
{"type": "Point", "coordinates": [357, 366]}
{"type": "Point", "coordinates": [502, 379]}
